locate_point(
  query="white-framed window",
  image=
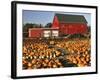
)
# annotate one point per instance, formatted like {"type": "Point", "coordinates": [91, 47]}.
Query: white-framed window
{"type": "Point", "coordinates": [47, 33]}
{"type": "Point", "coordinates": [55, 33]}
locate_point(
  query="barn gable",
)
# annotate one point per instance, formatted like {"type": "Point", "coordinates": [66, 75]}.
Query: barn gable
{"type": "Point", "coordinates": [66, 18]}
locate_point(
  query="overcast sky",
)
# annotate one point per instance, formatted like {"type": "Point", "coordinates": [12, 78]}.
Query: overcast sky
{"type": "Point", "coordinates": [44, 17]}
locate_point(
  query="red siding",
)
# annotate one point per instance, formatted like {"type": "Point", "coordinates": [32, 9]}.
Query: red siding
{"type": "Point", "coordinates": [55, 23]}
{"type": "Point", "coordinates": [38, 32]}
{"type": "Point", "coordinates": [69, 28]}
{"type": "Point", "coordinates": [72, 28]}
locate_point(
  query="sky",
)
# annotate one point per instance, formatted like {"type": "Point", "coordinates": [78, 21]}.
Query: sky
{"type": "Point", "coordinates": [44, 17]}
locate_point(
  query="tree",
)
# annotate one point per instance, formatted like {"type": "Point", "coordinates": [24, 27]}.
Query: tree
{"type": "Point", "coordinates": [48, 25]}
{"type": "Point", "coordinates": [89, 28]}
{"type": "Point", "coordinates": [27, 26]}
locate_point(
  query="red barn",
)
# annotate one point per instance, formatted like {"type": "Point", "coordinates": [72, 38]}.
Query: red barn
{"type": "Point", "coordinates": [70, 24]}
{"type": "Point", "coordinates": [62, 24]}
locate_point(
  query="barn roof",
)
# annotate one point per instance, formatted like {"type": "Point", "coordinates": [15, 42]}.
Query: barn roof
{"type": "Point", "coordinates": [66, 18]}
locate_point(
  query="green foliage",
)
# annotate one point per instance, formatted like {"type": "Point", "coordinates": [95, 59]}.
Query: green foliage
{"type": "Point", "coordinates": [48, 25]}
{"type": "Point", "coordinates": [27, 26]}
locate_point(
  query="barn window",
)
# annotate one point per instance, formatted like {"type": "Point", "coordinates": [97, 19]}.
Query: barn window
{"type": "Point", "coordinates": [55, 33]}
{"type": "Point", "coordinates": [47, 33]}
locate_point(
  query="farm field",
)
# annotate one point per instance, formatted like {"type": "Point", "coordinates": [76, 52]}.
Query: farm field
{"type": "Point", "coordinates": [56, 53]}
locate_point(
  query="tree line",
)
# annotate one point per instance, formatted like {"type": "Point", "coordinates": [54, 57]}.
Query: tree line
{"type": "Point", "coordinates": [32, 25]}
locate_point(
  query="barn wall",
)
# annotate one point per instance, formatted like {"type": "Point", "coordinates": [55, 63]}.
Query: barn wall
{"type": "Point", "coordinates": [55, 23]}
{"type": "Point", "coordinates": [72, 28]}
{"type": "Point", "coordinates": [35, 33]}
